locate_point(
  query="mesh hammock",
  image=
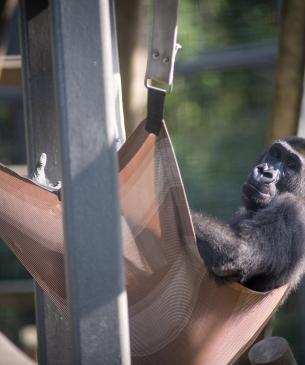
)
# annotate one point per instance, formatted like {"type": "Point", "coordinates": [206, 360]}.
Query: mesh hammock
{"type": "Point", "coordinates": [177, 314]}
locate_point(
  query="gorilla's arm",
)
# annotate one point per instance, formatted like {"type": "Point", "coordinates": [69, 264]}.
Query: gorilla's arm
{"type": "Point", "coordinates": [259, 248]}
{"type": "Point", "coordinates": [221, 248]}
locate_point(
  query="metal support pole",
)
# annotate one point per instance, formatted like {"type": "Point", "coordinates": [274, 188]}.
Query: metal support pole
{"type": "Point", "coordinates": [85, 118]}
{"type": "Point", "coordinates": [42, 136]}
{"type": "Point", "coordinates": [300, 294]}
{"type": "Point", "coordinates": [119, 125]}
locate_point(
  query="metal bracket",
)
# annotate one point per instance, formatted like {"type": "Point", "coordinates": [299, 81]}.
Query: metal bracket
{"type": "Point", "coordinates": [162, 54]}
{"type": "Point", "coordinates": [39, 176]}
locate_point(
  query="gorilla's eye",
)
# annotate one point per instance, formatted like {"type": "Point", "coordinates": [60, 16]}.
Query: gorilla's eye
{"type": "Point", "coordinates": [291, 163]}
{"type": "Point", "coordinates": [275, 152]}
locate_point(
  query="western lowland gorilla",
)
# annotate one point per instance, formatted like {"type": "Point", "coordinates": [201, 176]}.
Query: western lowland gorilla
{"type": "Point", "coordinates": [263, 245]}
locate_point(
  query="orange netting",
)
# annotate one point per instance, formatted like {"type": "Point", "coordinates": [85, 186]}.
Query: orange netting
{"type": "Point", "coordinates": [177, 314]}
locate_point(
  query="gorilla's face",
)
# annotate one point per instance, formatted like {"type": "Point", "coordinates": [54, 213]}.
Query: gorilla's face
{"type": "Point", "coordinates": [280, 169]}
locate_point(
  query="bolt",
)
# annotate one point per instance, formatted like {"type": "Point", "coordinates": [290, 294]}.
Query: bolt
{"type": "Point", "coordinates": [155, 54]}
{"type": "Point", "coordinates": [165, 60]}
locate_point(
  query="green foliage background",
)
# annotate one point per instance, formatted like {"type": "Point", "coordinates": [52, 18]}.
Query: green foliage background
{"type": "Point", "coordinates": [219, 120]}
{"type": "Point", "coordinates": [219, 125]}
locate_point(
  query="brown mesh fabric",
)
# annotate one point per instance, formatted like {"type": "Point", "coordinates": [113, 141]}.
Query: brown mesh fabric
{"type": "Point", "coordinates": [177, 314]}
{"type": "Point", "coordinates": [31, 225]}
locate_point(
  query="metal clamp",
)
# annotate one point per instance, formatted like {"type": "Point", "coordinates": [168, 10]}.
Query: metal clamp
{"type": "Point", "coordinates": [163, 50]}
{"type": "Point", "coordinates": [39, 177]}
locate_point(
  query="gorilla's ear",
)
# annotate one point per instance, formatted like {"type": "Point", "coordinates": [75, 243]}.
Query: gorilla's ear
{"type": "Point", "coordinates": [297, 143]}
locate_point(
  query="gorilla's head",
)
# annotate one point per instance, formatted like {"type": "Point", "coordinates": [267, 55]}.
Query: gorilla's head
{"type": "Point", "coordinates": [281, 168]}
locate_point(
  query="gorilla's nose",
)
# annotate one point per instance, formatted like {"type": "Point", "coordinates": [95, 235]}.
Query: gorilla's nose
{"type": "Point", "coordinates": [266, 174]}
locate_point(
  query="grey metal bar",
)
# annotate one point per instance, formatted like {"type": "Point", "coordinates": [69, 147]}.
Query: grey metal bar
{"type": "Point", "coordinates": [86, 116]}
{"type": "Point", "coordinates": [42, 136]}
{"type": "Point", "coordinates": [163, 47]}
{"type": "Point", "coordinates": [301, 124]}
{"type": "Point", "coordinates": [16, 286]}
{"type": "Point", "coordinates": [119, 125]}
{"type": "Point", "coordinates": [232, 58]}
{"type": "Point", "coordinates": [300, 294]}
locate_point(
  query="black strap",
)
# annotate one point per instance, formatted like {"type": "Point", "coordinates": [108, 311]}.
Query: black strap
{"type": "Point", "coordinates": [155, 110]}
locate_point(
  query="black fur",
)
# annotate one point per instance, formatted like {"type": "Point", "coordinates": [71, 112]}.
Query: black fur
{"type": "Point", "coordinates": [263, 245]}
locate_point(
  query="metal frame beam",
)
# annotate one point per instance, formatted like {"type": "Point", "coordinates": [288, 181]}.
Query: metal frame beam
{"type": "Point", "coordinates": [42, 136]}
{"type": "Point", "coordinates": [70, 43]}
{"type": "Point", "coordinates": [86, 116]}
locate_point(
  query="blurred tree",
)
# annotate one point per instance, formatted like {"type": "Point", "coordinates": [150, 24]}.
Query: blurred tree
{"type": "Point", "coordinates": [290, 70]}
{"type": "Point", "coordinates": [206, 24]}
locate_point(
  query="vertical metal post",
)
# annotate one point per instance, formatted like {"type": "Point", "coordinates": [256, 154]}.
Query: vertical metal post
{"type": "Point", "coordinates": [301, 291]}
{"type": "Point", "coordinates": [301, 124]}
{"type": "Point", "coordinates": [42, 136]}
{"type": "Point", "coordinates": [86, 115]}
{"type": "Point", "coordinates": [119, 125]}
